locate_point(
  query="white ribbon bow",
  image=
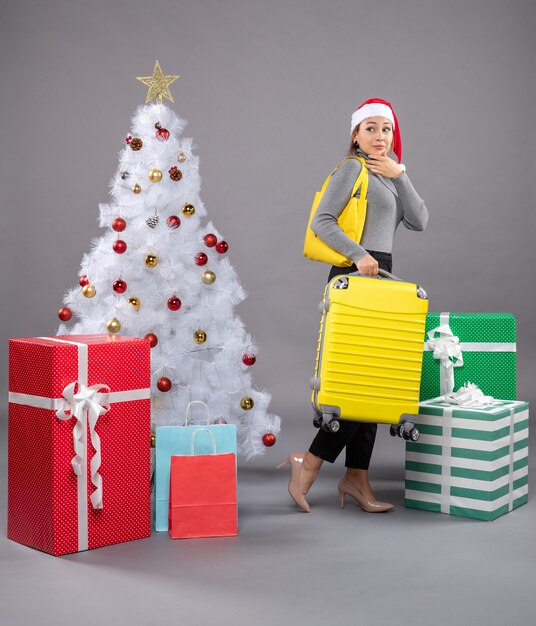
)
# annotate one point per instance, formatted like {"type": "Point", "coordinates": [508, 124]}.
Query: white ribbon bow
{"type": "Point", "coordinates": [86, 404]}
{"type": "Point", "coordinates": [447, 349]}
{"type": "Point", "coordinates": [469, 395]}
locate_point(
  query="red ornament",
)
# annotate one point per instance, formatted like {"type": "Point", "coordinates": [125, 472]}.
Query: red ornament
{"type": "Point", "coordinates": [173, 221]}
{"type": "Point", "coordinates": [119, 224]}
{"type": "Point", "coordinates": [201, 258]}
{"type": "Point", "coordinates": [83, 280]}
{"type": "Point", "coordinates": [210, 240]}
{"type": "Point", "coordinates": [164, 384]}
{"type": "Point", "coordinates": [249, 359]}
{"type": "Point", "coordinates": [65, 314]}
{"type": "Point", "coordinates": [222, 247]}
{"type": "Point", "coordinates": [119, 246]}
{"type": "Point", "coordinates": [174, 304]}
{"type": "Point", "coordinates": [162, 134]}
{"type": "Point", "coordinates": [153, 339]}
{"type": "Point", "coordinates": [128, 139]}
{"type": "Point", "coordinates": [119, 286]}
{"type": "Point", "coordinates": [268, 440]}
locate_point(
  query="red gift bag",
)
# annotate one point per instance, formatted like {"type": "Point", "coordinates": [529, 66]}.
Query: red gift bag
{"type": "Point", "coordinates": [202, 494]}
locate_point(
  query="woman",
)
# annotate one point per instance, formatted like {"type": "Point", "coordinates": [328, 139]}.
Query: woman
{"type": "Point", "coordinates": [391, 199]}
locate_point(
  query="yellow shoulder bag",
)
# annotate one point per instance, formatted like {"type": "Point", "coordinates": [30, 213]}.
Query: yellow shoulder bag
{"type": "Point", "coordinates": [351, 221]}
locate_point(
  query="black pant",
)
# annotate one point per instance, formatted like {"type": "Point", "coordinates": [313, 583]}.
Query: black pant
{"type": "Point", "coordinates": [358, 437]}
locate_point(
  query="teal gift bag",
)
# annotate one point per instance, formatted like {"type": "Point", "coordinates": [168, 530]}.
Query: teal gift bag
{"type": "Point", "coordinates": [175, 440]}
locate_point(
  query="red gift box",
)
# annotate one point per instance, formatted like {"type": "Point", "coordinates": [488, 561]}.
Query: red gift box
{"type": "Point", "coordinates": [78, 441]}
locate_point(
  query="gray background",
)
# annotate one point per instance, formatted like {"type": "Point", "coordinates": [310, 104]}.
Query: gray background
{"type": "Point", "coordinates": [268, 89]}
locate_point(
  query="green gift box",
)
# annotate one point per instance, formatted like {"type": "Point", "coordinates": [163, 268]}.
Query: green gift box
{"type": "Point", "coordinates": [469, 462]}
{"type": "Point", "coordinates": [469, 347]}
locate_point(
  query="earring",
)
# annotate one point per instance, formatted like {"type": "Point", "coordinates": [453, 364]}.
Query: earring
{"type": "Point", "coordinates": [356, 145]}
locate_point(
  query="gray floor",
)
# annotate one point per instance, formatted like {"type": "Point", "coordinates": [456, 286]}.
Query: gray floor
{"type": "Point", "coordinates": [331, 566]}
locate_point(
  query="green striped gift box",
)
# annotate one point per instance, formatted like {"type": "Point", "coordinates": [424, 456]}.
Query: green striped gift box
{"type": "Point", "coordinates": [469, 462]}
{"type": "Point", "coordinates": [488, 345]}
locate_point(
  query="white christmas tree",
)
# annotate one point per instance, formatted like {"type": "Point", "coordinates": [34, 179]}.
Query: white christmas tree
{"type": "Point", "coordinates": [162, 272]}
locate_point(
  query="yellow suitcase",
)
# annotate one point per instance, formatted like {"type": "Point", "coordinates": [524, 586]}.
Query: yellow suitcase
{"type": "Point", "coordinates": [369, 355]}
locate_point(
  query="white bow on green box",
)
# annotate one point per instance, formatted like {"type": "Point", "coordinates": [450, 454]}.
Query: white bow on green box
{"type": "Point", "coordinates": [476, 347]}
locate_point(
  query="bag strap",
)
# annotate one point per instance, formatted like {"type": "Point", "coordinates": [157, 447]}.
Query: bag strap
{"type": "Point", "coordinates": [361, 180]}
{"type": "Point", "coordinates": [192, 440]}
{"type": "Point", "coordinates": [188, 411]}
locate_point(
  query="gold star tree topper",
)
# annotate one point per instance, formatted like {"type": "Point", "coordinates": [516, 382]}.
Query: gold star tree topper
{"type": "Point", "coordinates": [158, 84]}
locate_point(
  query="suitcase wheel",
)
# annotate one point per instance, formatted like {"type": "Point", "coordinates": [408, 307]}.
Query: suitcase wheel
{"type": "Point", "coordinates": [414, 434]}
{"type": "Point", "coordinates": [329, 423]}
{"type": "Point", "coordinates": [393, 431]}
{"type": "Point", "coordinates": [317, 421]}
{"type": "Point", "coordinates": [406, 435]}
{"type": "Point", "coordinates": [333, 426]}
{"type": "Point", "coordinates": [400, 430]}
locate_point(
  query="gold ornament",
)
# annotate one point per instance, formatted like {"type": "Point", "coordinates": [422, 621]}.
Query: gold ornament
{"type": "Point", "coordinates": [136, 188]}
{"type": "Point", "coordinates": [113, 325]}
{"type": "Point", "coordinates": [89, 290]}
{"type": "Point", "coordinates": [153, 440]}
{"type": "Point", "coordinates": [155, 176]}
{"type": "Point", "coordinates": [182, 157]}
{"type": "Point", "coordinates": [188, 209]}
{"type": "Point", "coordinates": [200, 336]}
{"type": "Point", "coordinates": [158, 84]}
{"type": "Point", "coordinates": [208, 277]}
{"type": "Point", "coordinates": [151, 260]}
{"type": "Point", "coordinates": [247, 403]}
{"type": "Point", "coordinates": [134, 302]}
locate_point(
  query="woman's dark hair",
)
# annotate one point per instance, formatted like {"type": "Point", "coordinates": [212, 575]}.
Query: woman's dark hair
{"type": "Point", "coordinates": [352, 149]}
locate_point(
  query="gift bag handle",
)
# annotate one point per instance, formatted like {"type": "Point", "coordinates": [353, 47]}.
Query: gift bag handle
{"type": "Point", "coordinates": [188, 410]}
{"type": "Point", "coordinates": [192, 440]}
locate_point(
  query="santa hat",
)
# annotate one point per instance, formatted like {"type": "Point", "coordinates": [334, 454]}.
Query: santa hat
{"type": "Point", "coordinates": [376, 107]}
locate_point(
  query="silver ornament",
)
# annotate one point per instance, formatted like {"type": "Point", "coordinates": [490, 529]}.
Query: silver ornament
{"type": "Point", "coordinates": [152, 221]}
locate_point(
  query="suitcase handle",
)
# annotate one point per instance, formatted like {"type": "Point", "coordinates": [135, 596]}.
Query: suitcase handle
{"type": "Point", "coordinates": [381, 272]}
{"type": "Point", "coordinates": [387, 274]}
{"type": "Point", "coordinates": [421, 293]}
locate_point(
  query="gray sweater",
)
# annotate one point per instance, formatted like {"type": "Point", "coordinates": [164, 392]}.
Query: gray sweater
{"type": "Point", "coordinates": [389, 202]}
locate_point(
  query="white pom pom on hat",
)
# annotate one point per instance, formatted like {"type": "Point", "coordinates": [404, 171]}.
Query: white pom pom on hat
{"type": "Point", "coordinates": [376, 107]}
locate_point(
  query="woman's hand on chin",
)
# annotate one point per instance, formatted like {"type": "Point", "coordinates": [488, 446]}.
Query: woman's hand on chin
{"type": "Point", "coordinates": [383, 165]}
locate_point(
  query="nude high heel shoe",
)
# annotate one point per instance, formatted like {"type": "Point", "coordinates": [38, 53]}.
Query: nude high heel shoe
{"type": "Point", "coordinates": [346, 487]}
{"type": "Point", "coordinates": [295, 460]}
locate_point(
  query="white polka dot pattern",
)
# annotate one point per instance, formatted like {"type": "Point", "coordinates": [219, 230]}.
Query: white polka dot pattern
{"type": "Point", "coordinates": [42, 486]}
{"type": "Point", "coordinates": [493, 371]}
